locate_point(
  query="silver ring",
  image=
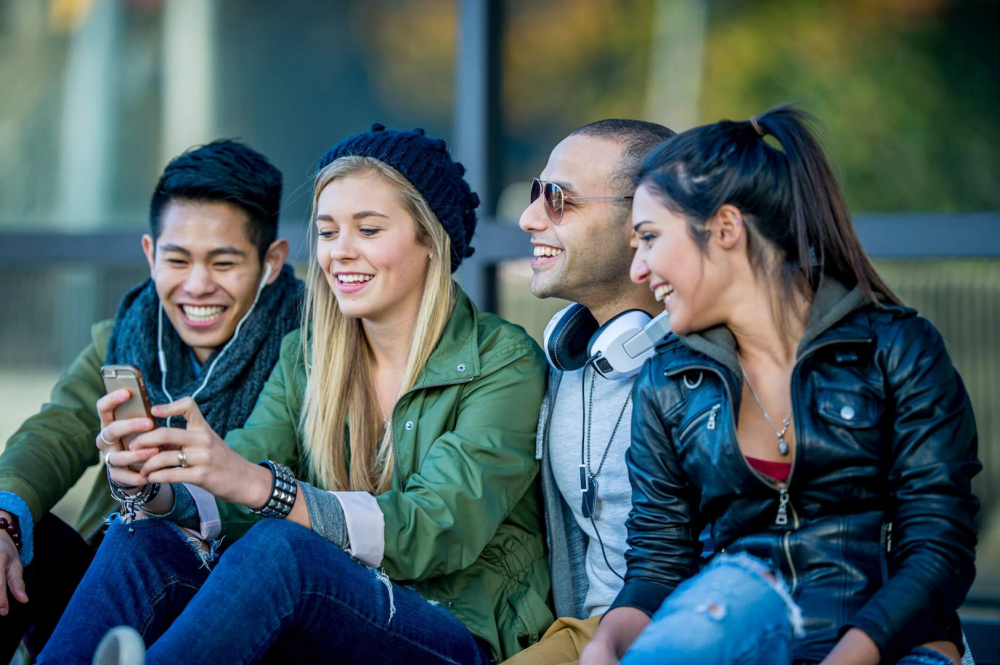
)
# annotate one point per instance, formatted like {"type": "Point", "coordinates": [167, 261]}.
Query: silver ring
{"type": "Point", "coordinates": [104, 439]}
{"type": "Point", "coordinates": [107, 458]}
{"type": "Point", "coordinates": [182, 459]}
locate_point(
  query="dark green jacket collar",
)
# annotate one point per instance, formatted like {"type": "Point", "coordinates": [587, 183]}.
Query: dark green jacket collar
{"type": "Point", "coordinates": [455, 359]}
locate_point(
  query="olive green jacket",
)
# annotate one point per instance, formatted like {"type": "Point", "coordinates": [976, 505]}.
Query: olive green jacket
{"type": "Point", "coordinates": [51, 450]}
{"type": "Point", "coordinates": [462, 521]}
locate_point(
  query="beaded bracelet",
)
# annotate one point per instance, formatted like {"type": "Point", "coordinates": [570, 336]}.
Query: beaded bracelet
{"type": "Point", "coordinates": [283, 492]}
{"type": "Point", "coordinates": [13, 530]}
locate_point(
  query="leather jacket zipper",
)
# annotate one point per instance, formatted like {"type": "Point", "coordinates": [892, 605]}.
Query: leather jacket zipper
{"type": "Point", "coordinates": [710, 414]}
{"type": "Point", "coordinates": [788, 558]}
{"type": "Point", "coordinates": [732, 416]}
{"type": "Point", "coordinates": [885, 543]}
{"type": "Point", "coordinates": [784, 500]}
{"type": "Point", "coordinates": [784, 506]}
{"type": "Point", "coordinates": [782, 518]}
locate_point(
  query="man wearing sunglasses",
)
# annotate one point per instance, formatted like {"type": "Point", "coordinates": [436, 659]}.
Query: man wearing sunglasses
{"type": "Point", "coordinates": [579, 219]}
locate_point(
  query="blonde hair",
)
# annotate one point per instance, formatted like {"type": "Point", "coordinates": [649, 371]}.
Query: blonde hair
{"type": "Point", "coordinates": [340, 391]}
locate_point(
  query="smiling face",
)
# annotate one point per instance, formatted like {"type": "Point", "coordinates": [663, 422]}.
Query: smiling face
{"type": "Point", "coordinates": [367, 248]}
{"type": "Point", "coordinates": [694, 285]}
{"type": "Point", "coordinates": [206, 271]}
{"type": "Point", "coordinates": [585, 258]}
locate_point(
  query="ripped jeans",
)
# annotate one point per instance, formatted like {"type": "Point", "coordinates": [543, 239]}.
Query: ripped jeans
{"type": "Point", "coordinates": [282, 591]}
{"type": "Point", "coordinates": [731, 613]}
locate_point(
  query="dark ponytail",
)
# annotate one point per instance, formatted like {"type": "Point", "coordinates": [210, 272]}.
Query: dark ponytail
{"type": "Point", "coordinates": [789, 197]}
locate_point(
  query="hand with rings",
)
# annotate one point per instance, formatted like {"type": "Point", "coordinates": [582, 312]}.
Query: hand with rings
{"type": "Point", "coordinates": [198, 456]}
{"type": "Point", "coordinates": [121, 462]}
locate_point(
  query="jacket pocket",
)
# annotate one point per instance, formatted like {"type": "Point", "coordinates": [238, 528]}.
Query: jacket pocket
{"type": "Point", "coordinates": [848, 409]}
{"type": "Point", "coordinates": [522, 620]}
{"type": "Point", "coordinates": [706, 420]}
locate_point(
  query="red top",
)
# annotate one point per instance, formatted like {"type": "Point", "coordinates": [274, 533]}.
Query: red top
{"type": "Point", "coordinates": [777, 470]}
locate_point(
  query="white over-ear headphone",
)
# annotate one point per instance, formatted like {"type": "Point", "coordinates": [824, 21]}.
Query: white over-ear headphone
{"type": "Point", "coordinates": [208, 374]}
{"type": "Point", "coordinates": [616, 350]}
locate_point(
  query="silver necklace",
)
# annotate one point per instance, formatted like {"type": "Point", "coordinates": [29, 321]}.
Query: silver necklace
{"type": "Point", "coordinates": [782, 444]}
{"type": "Point", "coordinates": [588, 478]}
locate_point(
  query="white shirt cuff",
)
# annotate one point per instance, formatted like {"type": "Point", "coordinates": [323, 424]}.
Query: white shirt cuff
{"type": "Point", "coordinates": [210, 524]}
{"type": "Point", "coordinates": [365, 526]}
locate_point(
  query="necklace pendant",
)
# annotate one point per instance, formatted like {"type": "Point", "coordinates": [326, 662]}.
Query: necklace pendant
{"type": "Point", "coordinates": [588, 500]}
{"type": "Point", "coordinates": [782, 445]}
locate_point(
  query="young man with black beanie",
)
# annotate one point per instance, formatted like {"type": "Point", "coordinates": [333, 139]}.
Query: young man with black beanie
{"type": "Point", "coordinates": [208, 322]}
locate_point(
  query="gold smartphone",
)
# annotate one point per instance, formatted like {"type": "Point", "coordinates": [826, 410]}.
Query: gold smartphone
{"type": "Point", "coordinates": [129, 377]}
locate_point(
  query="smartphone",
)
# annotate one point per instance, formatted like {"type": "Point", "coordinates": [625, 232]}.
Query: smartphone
{"type": "Point", "coordinates": [117, 377]}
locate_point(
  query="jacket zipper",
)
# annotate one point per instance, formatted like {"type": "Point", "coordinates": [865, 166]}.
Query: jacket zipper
{"type": "Point", "coordinates": [710, 414]}
{"type": "Point", "coordinates": [732, 416]}
{"type": "Point", "coordinates": [788, 557]}
{"type": "Point", "coordinates": [784, 501]}
{"type": "Point", "coordinates": [782, 518]}
{"type": "Point", "coordinates": [885, 543]}
{"type": "Point", "coordinates": [784, 488]}
{"type": "Point", "coordinates": [399, 473]}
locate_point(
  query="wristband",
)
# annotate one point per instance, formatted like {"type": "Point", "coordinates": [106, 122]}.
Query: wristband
{"type": "Point", "coordinates": [283, 492]}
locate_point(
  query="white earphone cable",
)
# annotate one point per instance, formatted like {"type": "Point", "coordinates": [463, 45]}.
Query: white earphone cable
{"type": "Point", "coordinates": [211, 368]}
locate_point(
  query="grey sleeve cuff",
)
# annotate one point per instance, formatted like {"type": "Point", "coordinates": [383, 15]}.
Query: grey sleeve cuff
{"type": "Point", "coordinates": [184, 512]}
{"type": "Point", "coordinates": [326, 515]}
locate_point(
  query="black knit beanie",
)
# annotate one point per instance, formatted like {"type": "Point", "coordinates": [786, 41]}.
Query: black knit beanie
{"type": "Point", "coordinates": [425, 162]}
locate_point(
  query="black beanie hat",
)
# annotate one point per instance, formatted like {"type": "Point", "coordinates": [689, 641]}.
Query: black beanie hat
{"type": "Point", "coordinates": [425, 162]}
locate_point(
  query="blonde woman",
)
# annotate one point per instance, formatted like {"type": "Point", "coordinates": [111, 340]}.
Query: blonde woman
{"type": "Point", "coordinates": [395, 444]}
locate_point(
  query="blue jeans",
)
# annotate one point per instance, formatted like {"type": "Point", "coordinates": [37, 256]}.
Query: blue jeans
{"type": "Point", "coordinates": [731, 613]}
{"type": "Point", "coordinates": [281, 590]}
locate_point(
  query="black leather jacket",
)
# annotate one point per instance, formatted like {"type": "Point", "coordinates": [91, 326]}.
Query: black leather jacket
{"type": "Point", "coordinates": [877, 531]}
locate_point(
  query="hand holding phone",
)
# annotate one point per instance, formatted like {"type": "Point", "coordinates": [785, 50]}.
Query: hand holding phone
{"type": "Point", "coordinates": [130, 378]}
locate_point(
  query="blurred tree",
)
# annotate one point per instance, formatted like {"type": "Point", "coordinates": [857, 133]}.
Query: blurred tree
{"type": "Point", "coordinates": [907, 88]}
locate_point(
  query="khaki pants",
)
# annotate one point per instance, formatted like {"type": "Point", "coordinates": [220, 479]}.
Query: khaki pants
{"type": "Point", "coordinates": [561, 644]}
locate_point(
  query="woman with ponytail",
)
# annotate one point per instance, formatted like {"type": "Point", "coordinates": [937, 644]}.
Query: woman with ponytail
{"type": "Point", "coordinates": [800, 410]}
{"type": "Point", "coordinates": [391, 454]}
